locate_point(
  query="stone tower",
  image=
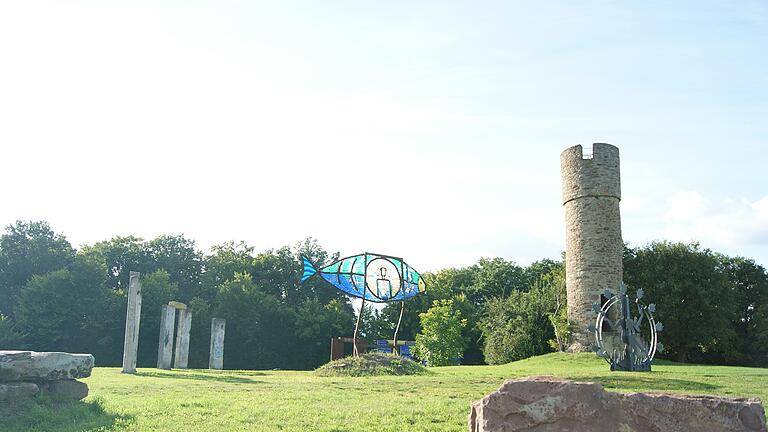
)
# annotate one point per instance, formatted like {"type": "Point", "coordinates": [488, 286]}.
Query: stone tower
{"type": "Point", "coordinates": [593, 244]}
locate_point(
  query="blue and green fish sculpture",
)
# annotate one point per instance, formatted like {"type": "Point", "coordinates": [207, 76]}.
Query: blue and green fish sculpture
{"type": "Point", "coordinates": [373, 277]}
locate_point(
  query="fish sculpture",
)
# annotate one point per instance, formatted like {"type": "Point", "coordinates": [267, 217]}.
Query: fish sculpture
{"type": "Point", "coordinates": [373, 277]}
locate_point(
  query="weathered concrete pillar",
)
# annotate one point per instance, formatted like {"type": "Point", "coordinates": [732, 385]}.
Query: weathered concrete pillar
{"type": "Point", "coordinates": [165, 344]}
{"type": "Point", "coordinates": [182, 339]}
{"type": "Point", "coordinates": [216, 358]}
{"type": "Point", "coordinates": [132, 318]}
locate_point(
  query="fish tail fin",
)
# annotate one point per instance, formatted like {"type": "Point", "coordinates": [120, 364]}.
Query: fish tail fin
{"type": "Point", "coordinates": [309, 269]}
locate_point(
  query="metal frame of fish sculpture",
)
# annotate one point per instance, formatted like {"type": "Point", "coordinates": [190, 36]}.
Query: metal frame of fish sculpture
{"type": "Point", "coordinates": [371, 277]}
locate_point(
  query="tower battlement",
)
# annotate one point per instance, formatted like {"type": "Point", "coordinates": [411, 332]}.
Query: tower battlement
{"type": "Point", "coordinates": [598, 175]}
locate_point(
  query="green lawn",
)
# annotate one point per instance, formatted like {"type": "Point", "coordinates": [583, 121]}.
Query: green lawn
{"type": "Point", "coordinates": [202, 400]}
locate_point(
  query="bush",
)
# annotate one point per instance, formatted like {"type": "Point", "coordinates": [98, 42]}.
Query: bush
{"type": "Point", "coordinates": [371, 364]}
{"type": "Point", "coordinates": [517, 327]}
{"type": "Point", "coordinates": [440, 340]}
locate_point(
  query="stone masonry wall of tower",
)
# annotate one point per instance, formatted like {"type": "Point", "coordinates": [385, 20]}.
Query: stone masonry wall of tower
{"type": "Point", "coordinates": [593, 244]}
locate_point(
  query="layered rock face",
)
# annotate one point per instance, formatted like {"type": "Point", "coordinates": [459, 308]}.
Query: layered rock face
{"type": "Point", "coordinates": [25, 374]}
{"type": "Point", "coordinates": [547, 404]}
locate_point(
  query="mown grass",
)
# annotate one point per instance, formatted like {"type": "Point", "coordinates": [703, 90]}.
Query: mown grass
{"type": "Point", "coordinates": [201, 400]}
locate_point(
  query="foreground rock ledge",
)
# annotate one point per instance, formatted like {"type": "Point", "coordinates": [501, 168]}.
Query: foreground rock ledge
{"type": "Point", "coordinates": [43, 366]}
{"type": "Point", "coordinates": [548, 404]}
{"type": "Point", "coordinates": [27, 374]}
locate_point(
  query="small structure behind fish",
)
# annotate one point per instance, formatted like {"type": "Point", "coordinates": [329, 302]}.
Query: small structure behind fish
{"type": "Point", "coordinates": [373, 277]}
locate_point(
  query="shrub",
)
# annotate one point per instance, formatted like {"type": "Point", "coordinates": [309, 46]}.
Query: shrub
{"type": "Point", "coordinates": [371, 364]}
{"type": "Point", "coordinates": [440, 340]}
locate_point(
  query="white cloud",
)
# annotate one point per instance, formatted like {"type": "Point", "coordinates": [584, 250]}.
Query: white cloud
{"type": "Point", "coordinates": [683, 206]}
{"type": "Point", "coordinates": [729, 223]}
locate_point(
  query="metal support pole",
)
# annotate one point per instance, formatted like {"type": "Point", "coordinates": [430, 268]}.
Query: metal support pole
{"type": "Point", "coordinates": [397, 329]}
{"type": "Point", "coordinates": [357, 327]}
{"type": "Point", "coordinates": [628, 361]}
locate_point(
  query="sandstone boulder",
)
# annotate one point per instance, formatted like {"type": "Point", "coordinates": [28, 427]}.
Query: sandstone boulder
{"type": "Point", "coordinates": [547, 404]}
{"type": "Point", "coordinates": [43, 366]}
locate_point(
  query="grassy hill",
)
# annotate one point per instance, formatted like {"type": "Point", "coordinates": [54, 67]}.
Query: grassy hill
{"type": "Point", "coordinates": [202, 400]}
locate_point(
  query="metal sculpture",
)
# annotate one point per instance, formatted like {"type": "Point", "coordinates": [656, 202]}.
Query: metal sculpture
{"type": "Point", "coordinates": [371, 277]}
{"type": "Point", "coordinates": [619, 336]}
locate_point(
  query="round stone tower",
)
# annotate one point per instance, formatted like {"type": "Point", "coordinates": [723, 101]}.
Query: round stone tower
{"type": "Point", "coordinates": [593, 245]}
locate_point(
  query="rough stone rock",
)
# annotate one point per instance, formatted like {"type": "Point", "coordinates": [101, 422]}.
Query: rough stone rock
{"type": "Point", "coordinates": [43, 366]}
{"type": "Point", "coordinates": [64, 389]}
{"type": "Point", "coordinates": [547, 404]}
{"type": "Point", "coordinates": [12, 392]}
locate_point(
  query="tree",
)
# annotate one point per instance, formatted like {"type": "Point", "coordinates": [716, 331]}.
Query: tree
{"type": "Point", "coordinates": [28, 249]}
{"type": "Point", "coordinates": [749, 289]}
{"type": "Point", "coordinates": [69, 310]}
{"type": "Point", "coordinates": [517, 326]}
{"type": "Point", "coordinates": [553, 284]}
{"type": "Point", "coordinates": [177, 255]}
{"type": "Point", "coordinates": [261, 330]}
{"type": "Point", "coordinates": [9, 339]}
{"type": "Point", "coordinates": [221, 265]}
{"type": "Point", "coordinates": [200, 333]}
{"type": "Point", "coordinates": [121, 255]}
{"type": "Point", "coordinates": [495, 278]}
{"type": "Point", "coordinates": [694, 298]}
{"type": "Point", "coordinates": [440, 341]}
{"type": "Point", "coordinates": [316, 324]}
{"type": "Point", "coordinates": [279, 271]}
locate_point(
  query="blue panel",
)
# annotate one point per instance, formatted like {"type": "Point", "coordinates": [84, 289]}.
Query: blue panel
{"type": "Point", "coordinates": [346, 285]}
{"type": "Point", "coordinates": [332, 278]}
{"type": "Point", "coordinates": [309, 269]}
{"type": "Point", "coordinates": [359, 282]}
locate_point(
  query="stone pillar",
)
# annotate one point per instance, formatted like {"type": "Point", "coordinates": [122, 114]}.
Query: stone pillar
{"type": "Point", "coordinates": [132, 319]}
{"type": "Point", "coordinates": [182, 339]}
{"type": "Point", "coordinates": [593, 246]}
{"type": "Point", "coordinates": [165, 344]}
{"type": "Point", "coordinates": [216, 358]}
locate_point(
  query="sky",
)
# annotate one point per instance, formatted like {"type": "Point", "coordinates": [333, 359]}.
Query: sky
{"type": "Point", "coordinates": [426, 130]}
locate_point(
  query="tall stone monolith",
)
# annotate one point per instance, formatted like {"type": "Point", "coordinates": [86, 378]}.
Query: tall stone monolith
{"type": "Point", "coordinates": [132, 320]}
{"type": "Point", "coordinates": [182, 339]}
{"type": "Point", "coordinates": [165, 344]}
{"type": "Point", "coordinates": [216, 358]}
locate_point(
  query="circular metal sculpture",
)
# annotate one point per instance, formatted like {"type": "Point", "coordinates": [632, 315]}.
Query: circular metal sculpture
{"type": "Point", "coordinates": [372, 277]}
{"type": "Point", "coordinates": [619, 337]}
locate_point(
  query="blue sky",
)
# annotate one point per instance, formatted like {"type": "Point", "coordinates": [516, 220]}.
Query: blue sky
{"type": "Point", "coordinates": [430, 130]}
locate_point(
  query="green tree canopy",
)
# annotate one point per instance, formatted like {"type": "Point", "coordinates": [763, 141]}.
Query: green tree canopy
{"type": "Point", "coordinates": [440, 341]}
{"type": "Point", "coordinates": [28, 249]}
{"type": "Point", "coordinates": [695, 299]}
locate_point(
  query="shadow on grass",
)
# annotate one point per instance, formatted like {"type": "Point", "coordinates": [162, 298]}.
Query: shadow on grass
{"type": "Point", "coordinates": [650, 383]}
{"type": "Point", "coordinates": [207, 376]}
{"type": "Point", "coordinates": [43, 415]}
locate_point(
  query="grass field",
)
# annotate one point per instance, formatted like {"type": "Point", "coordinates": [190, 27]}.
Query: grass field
{"type": "Point", "coordinates": [202, 400]}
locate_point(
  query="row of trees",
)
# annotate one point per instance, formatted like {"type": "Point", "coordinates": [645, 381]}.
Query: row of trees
{"type": "Point", "coordinates": [56, 298]}
{"type": "Point", "coordinates": [714, 307]}
{"type": "Point", "coordinates": [53, 297]}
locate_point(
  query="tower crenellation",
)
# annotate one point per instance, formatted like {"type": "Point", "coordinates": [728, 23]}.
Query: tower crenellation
{"type": "Point", "coordinates": [591, 189]}
{"type": "Point", "coordinates": [595, 176]}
